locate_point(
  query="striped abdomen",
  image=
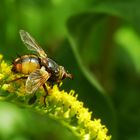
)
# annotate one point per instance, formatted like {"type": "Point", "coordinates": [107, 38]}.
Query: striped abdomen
{"type": "Point", "coordinates": [26, 64]}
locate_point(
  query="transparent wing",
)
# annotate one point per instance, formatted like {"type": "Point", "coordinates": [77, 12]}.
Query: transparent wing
{"type": "Point", "coordinates": [31, 44]}
{"type": "Point", "coordinates": [36, 79]}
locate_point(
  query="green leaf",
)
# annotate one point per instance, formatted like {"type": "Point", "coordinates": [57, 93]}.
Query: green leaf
{"type": "Point", "coordinates": [20, 123]}
{"type": "Point", "coordinates": [129, 40]}
{"type": "Point", "coordinates": [126, 10]}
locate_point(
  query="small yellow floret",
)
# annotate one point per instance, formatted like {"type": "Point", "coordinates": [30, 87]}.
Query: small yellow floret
{"type": "Point", "coordinates": [5, 86]}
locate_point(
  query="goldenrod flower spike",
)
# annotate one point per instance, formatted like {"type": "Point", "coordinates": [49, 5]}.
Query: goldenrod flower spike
{"type": "Point", "coordinates": [60, 105]}
{"type": "Point", "coordinates": [66, 106]}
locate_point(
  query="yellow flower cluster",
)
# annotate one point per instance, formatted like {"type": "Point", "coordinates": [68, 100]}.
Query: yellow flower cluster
{"type": "Point", "coordinates": [60, 105]}
{"type": "Point", "coordinates": [4, 68]}
{"type": "Point", "coordinates": [66, 106]}
{"type": "Point", "coordinates": [5, 72]}
{"type": "Point", "coordinates": [6, 76]}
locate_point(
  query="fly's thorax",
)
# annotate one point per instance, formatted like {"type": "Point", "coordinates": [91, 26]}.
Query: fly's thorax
{"type": "Point", "coordinates": [52, 67]}
{"type": "Point", "coordinates": [44, 62]}
{"type": "Point", "coordinates": [26, 64]}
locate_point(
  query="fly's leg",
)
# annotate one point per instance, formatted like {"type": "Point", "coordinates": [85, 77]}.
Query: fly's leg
{"type": "Point", "coordinates": [20, 78]}
{"type": "Point", "coordinates": [45, 95]}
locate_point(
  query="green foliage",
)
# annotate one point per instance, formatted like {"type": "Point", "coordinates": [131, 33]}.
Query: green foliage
{"type": "Point", "coordinates": [97, 41]}
{"type": "Point", "coordinates": [18, 123]}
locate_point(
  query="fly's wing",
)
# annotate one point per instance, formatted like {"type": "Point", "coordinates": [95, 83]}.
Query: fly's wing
{"type": "Point", "coordinates": [36, 79]}
{"type": "Point", "coordinates": [31, 44]}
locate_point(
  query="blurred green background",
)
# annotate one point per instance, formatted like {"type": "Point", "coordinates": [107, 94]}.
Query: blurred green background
{"type": "Point", "coordinates": [97, 41]}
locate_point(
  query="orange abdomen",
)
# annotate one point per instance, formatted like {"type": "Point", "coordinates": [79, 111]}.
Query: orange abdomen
{"type": "Point", "coordinates": [26, 64]}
